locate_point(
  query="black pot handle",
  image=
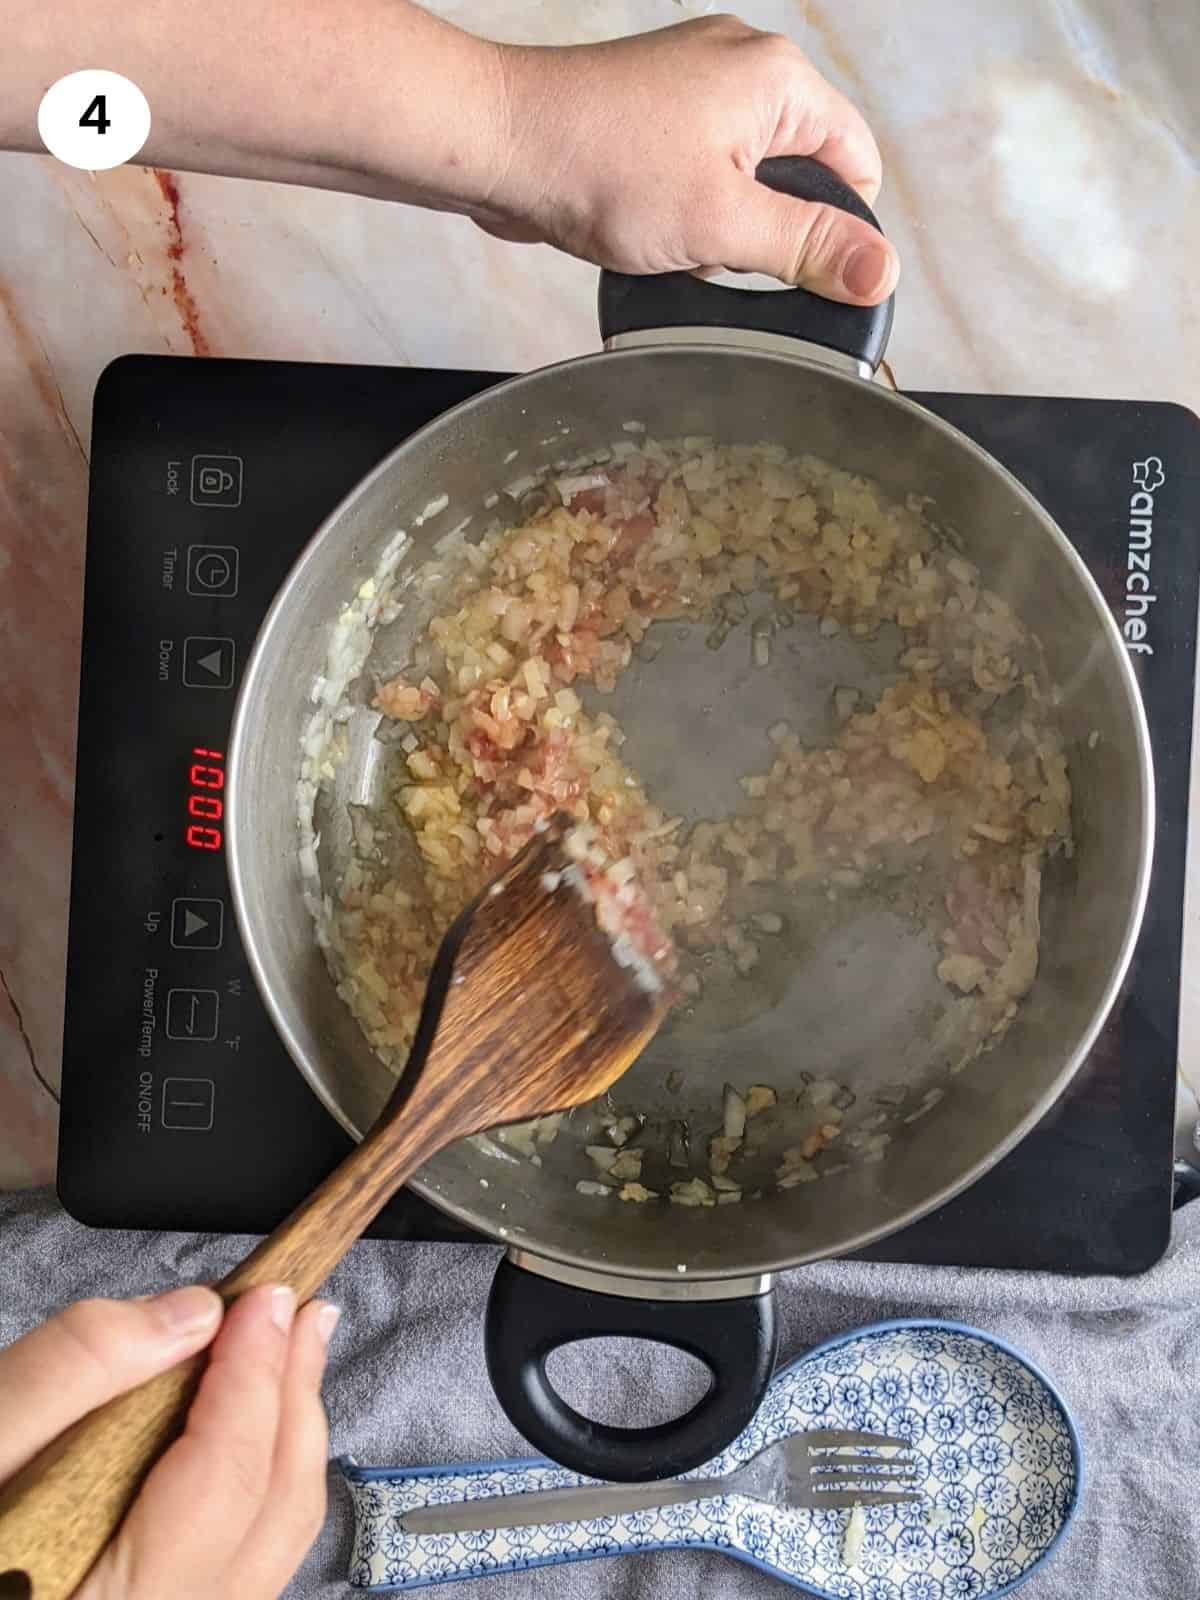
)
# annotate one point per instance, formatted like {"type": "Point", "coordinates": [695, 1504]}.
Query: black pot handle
{"type": "Point", "coordinates": [681, 300]}
{"type": "Point", "coordinates": [530, 1316]}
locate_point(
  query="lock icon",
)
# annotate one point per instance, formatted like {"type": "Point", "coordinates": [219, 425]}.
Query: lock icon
{"type": "Point", "coordinates": [217, 481]}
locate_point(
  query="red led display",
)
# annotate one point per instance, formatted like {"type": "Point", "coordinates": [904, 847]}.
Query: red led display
{"type": "Point", "coordinates": [205, 803]}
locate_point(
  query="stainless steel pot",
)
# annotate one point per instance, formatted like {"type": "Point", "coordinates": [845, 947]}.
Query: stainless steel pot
{"type": "Point", "coordinates": [687, 357]}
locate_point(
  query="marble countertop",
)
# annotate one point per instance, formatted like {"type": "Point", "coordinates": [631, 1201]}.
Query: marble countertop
{"type": "Point", "coordinates": [1042, 180]}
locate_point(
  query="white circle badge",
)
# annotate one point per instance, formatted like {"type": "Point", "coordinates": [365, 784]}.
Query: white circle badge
{"type": "Point", "coordinates": [94, 119]}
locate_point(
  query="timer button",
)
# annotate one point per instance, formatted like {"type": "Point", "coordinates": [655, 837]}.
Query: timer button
{"type": "Point", "coordinates": [212, 570]}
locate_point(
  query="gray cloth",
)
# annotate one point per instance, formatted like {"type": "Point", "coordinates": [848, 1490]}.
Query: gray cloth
{"type": "Point", "coordinates": [407, 1385]}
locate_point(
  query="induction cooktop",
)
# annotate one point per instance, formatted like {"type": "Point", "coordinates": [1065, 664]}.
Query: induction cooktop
{"type": "Point", "coordinates": [181, 1108]}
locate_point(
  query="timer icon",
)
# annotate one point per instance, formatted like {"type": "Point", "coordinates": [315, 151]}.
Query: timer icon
{"type": "Point", "coordinates": [212, 569]}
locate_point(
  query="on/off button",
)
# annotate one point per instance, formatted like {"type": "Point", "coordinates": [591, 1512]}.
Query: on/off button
{"type": "Point", "coordinates": [188, 1103]}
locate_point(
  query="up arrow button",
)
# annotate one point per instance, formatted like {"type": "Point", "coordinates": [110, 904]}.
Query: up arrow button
{"type": "Point", "coordinates": [197, 924]}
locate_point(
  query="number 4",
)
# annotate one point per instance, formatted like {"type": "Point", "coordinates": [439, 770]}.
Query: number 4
{"type": "Point", "coordinates": [96, 116]}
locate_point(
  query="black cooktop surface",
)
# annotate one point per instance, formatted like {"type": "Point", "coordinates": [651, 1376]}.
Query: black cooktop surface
{"type": "Point", "coordinates": [180, 1107]}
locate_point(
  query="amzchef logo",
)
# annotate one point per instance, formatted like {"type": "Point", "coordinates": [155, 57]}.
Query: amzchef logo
{"type": "Point", "coordinates": [1149, 477]}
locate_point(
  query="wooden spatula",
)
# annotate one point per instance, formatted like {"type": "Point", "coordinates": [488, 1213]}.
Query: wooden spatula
{"type": "Point", "coordinates": [528, 1011]}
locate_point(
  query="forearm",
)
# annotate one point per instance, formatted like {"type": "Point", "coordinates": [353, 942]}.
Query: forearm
{"type": "Point", "coordinates": [637, 154]}
{"type": "Point", "coordinates": [375, 96]}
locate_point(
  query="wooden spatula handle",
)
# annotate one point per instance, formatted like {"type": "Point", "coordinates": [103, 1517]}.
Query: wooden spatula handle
{"type": "Point", "coordinates": [60, 1511]}
{"type": "Point", "coordinates": [306, 1246]}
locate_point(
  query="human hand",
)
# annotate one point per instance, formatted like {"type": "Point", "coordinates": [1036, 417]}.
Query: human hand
{"type": "Point", "coordinates": [234, 1504]}
{"type": "Point", "coordinates": [637, 154]}
{"type": "Point", "coordinates": [640, 155]}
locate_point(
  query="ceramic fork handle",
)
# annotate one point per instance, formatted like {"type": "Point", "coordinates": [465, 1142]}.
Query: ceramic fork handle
{"type": "Point", "coordinates": [558, 1505]}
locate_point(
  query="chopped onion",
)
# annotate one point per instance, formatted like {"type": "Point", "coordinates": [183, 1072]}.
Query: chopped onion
{"type": "Point", "coordinates": [519, 1136]}
{"type": "Point", "coordinates": [856, 1537]}
{"type": "Point", "coordinates": [627, 1166]}
{"type": "Point", "coordinates": [844, 702]}
{"type": "Point", "coordinates": [570, 487]}
{"type": "Point", "coordinates": [759, 1097]}
{"type": "Point", "coordinates": [721, 1151]}
{"type": "Point", "coordinates": [795, 1172]}
{"type": "Point", "coordinates": [735, 1113]}
{"type": "Point", "coordinates": [432, 509]}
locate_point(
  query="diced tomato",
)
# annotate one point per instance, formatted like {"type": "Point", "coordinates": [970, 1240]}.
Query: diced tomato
{"type": "Point", "coordinates": [481, 746]}
{"type": "Point", "coordinates": [632, 535]}
{"type": "Point", "coordinates": [972, 913]}
{"type": "Point", "coordinates": [588, 500]}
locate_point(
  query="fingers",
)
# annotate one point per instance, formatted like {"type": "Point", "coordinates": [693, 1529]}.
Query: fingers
{"type": "Point", "coordinates": [800, 242]}
{"type": "Point", "coordinates": [223, 1460]}
{"type": "Point", "coordinates": [239, 1497]}
{"type": "Point", "coordinates": [202, 1498]}
{"type": "Point", "coordinates": [817, 120]}
{"type": "Point", "coordinates": [88, 1353]}
{"type": "Point", "coordinates": [295, 1504]}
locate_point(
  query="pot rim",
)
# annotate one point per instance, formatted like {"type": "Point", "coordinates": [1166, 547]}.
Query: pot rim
{"type": "Point", "coordinates": [509, 391]}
